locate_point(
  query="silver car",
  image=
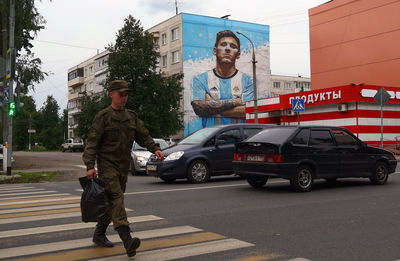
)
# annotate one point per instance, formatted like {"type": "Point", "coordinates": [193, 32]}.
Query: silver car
{"type": "Point", "coordinates": [141, 155]}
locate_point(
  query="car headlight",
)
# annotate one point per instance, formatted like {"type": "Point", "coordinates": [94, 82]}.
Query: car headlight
{"type": "Point", "coordinates": [174, 156]}
{"type": "Point", "coordinates": [141, 159]}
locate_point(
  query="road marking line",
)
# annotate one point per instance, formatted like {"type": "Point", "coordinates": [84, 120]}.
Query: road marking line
{"type": "Point", "coordinates": [21, 210]}
{"type": "Point", "coordinates": [87, 242]}
{"type": "Point", "coordinates": [299, 259]}
{"type": "Point", "coordinates": [42, 215]}
{"type": "Point", "coordinates": [194, 188]}
{"type": "Point", "coordinates": [37, 213]}
{"type": "Point", "coordinates": [81, 166]}
{"type": "Point", "coordinates": [178, 252]}
{"type": "Point", "coordinates": [119, 249]}
{"type": "Point", "coordinates": [36, 197]}
{"type": "Point", "coordinates": [39, 204]}
{"type": "Point", "coordinates": [2, 190]}
{"type": "Point", "coordinates": [67, 227]}
{"type": "Point", "coordinates": [29, 193]}
{"type": "Point", "coordinates": [13, 186]}
{"type": "Point", "coordinates": [40, 200]}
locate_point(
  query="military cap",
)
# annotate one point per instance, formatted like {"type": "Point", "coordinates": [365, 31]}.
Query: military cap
{"type": "Point", "coordinates": [118, 85]}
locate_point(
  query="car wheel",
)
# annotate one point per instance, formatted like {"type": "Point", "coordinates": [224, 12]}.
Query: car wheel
{"type": "Point", "coordinates": [257, 182]}
{"type": "Point", "coordinates": [168, 180]}
{"type": "Point", "coordinates": [380, 173]}
{"type": "Point", "coordinates": [198, 172]}
{"type": "Point", "coordinates": [303, 180]}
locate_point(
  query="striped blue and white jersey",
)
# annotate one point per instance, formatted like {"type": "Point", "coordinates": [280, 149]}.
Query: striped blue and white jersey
{"type": "Point", "coordinates": [239, 85]}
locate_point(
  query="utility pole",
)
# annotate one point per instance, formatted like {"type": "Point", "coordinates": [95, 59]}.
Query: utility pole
{"type": "Point", "coordinates": [11, 86]}
{"type": "Point", "coordinates": [4, 54]}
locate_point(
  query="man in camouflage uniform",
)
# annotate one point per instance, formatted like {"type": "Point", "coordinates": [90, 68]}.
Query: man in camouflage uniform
{"type": "Point", "coordinates": [109, 142]}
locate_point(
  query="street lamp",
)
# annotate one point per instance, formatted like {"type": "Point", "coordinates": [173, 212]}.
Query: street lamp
{"type": "Point", "coordinates": [254, 78]}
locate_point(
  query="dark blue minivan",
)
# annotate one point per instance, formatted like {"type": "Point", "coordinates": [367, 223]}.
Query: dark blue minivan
{"type": "Point", "coordinates": [206, 152]}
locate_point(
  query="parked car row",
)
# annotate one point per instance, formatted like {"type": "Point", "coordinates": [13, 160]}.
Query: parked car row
{"type": "Point", "coordinates": [258, 152]}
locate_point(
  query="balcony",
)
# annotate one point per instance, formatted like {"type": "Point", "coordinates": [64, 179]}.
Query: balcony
{"type": "Point", "coordinates": [76, 81]}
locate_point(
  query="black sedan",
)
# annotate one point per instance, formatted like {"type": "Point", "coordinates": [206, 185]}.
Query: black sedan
{"type": "Point", "coordinates": [304, 153]}
{"type": "Point", "coordinates": [206, 152]}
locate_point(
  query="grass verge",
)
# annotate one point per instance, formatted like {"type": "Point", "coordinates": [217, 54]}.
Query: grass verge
{"type": "Point", "coordinates": [27, 177]}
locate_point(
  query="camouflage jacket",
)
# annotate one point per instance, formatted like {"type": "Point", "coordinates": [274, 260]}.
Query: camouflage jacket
{"type": "Point", "coordinates": [110, 139]}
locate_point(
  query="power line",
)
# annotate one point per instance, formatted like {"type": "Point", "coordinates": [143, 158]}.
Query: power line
{"type": "Point", "coordinates": [64, 44]}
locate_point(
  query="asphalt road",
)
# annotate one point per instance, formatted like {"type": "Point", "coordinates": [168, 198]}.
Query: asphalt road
{"type": "Point", "coordinates": [348, 220]}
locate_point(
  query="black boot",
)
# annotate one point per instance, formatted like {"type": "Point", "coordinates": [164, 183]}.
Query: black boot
{"type": "Point", "coordinates": [99, 236]}
{"type": "Point", "coordinates": [130, 244]}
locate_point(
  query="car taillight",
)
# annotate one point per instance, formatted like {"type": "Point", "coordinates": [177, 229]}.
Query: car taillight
{"type": "Point", "coordinates": [272, 158]}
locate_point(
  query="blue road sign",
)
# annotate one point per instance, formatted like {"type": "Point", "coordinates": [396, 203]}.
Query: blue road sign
{"type": "Point", "coordinates": [5, 98]}
{"type": "Point", "coordinates": [298, 105]}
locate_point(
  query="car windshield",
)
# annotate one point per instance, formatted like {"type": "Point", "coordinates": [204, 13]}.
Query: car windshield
{"type": "Point", "coordinates": [272, 135]}
{"type": "Point", "coordinates": [163, 145]}
{"type": "Point", "coordinates": [199, 136]}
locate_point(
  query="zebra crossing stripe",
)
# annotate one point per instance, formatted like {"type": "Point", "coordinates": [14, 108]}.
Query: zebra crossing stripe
{"type": "Point", "coordinates": [31, 209]}
{"type": "Point", "coordinates": [90, 253]}
{"type": "Point", "coordinates": [5, 190]}
{"type": "Point", "coordinates": [184, 251]}
{"type": "Point", "coordinates": [28, 193]}
{"type": "Point", "coordinates": [49, 199]}
{"type": "Point", "coordinates": [36, 197]}
{"type": "Point", "coordinates": [42, 215]}
{"type": "Point", "coordinates": [67, 227]}
{"type": "Point", "coordinates": [87, 242]}
{"type": "Point", "coordinates": [39, 213]}
{"type": "Point", "coordinates": [16, 206]}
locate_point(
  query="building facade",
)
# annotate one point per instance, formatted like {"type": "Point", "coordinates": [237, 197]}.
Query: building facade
{"type": "Point", "coordinates": [351, 106]}
{"type": "Point", "coordinates": [282, 84]}
{"type": "Point", "coordinates": [355, 42]}
{"type": "Point", "coordinates": [88, 76]}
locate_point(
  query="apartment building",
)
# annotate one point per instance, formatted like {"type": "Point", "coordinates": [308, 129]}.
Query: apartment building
{"type": "Point", "coordinates": [88, 76]}
{"type": "Point", "coordinates": [282, 84]}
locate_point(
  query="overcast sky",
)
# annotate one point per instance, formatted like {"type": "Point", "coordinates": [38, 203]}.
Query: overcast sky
{"type": "Point", "coordinates": [76, 29]}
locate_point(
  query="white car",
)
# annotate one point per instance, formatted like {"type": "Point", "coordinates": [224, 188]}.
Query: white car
{"type": "Point", "coordinates": [141, 155]}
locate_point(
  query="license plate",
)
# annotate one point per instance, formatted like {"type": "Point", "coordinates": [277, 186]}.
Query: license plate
{"type": "Point", "coordinates": [152, 167]}
{"type": "Point", "coordinates": [255, 158]}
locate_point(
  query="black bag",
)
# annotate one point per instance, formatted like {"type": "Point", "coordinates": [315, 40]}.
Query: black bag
{"type": "Point", "coordinates": [93, 201]}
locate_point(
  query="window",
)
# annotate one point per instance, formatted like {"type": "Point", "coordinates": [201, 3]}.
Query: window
{"type": "Point", "coordinates": [302, 137]}
{"type": "Point", "coordinates": [321, 137]}
{"type": "Point", "coordinates": [248, 132]}
{"type": "Point", "coordinates": [72, 75]}
{"type": "Point", "coordinates": [164, 39]}
{"type": "Point", "coordinates": [175, 34]}
{"type": "Point", "coordinates": [164, 61]}
{"type": "Point", "coordinates": [343, 138]}
{"type": "Point", "coordinates": [175, 57]}
{"type": "Point", "coordinates": [287, 86]}
{"type": "Point", "coordinates": [230, 136]}
{"type": "Point", "coordinates": [277, 85]}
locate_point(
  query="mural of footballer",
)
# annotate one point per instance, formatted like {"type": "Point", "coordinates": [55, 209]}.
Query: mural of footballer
{"type": "Point", "coordinates": [220, 94]}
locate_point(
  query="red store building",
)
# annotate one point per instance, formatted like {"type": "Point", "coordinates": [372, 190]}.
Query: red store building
{"type": "Point", "coordinates": [349, 106]}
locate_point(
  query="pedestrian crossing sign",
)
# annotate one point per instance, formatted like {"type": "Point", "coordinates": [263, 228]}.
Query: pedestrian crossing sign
{"type": "Point", "coordinates": [298, 105]}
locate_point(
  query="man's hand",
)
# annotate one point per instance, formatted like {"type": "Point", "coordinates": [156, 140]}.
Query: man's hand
{"type": "Point", "coordinates": [91, 173]}
{"type": "Point", "coordinates": [160, 155]}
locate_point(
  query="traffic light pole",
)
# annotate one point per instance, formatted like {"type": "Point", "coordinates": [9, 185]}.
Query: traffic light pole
{"type": "Point", "coordinates": [11, 87]}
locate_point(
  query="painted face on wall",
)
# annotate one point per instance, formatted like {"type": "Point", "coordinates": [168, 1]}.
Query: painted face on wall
{"type": "Point", "coordinates": [227, 50]}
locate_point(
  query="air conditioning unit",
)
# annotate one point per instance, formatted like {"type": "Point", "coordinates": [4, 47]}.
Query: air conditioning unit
{"type": "Point", "coordinates": [342, 107]}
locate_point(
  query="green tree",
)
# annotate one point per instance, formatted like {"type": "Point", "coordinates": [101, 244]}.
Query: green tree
{"type": "Point", "coordinates": [48, 124]}
{"type": "Point", "coordinates": [23, 121]}
{"type": "Point", "coordinates": [28, 22]}
{"type": "Point", "coordinates": [155, 97]}
{"type": "Point", "coordinates": [90, 106]}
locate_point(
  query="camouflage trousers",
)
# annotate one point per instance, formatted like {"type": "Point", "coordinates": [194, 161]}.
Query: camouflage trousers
{"type": "Point", "coordinates": [115, 185]}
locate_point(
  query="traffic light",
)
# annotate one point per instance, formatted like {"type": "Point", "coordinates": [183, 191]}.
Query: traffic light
{"type": "Point", "coordinates": [11, 109]}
